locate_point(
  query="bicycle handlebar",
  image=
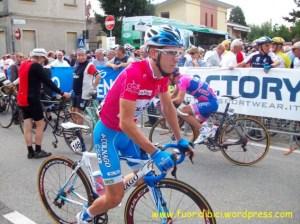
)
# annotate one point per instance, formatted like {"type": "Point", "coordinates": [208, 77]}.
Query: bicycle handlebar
{"type": "Point", "coordinates": [178, 157]}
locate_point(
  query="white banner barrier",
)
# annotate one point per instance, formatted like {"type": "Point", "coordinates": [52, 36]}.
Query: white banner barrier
{"type": "Point", "coordinates": [275, 94]}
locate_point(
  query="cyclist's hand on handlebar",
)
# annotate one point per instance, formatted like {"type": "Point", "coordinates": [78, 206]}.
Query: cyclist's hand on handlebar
{"type": "Point", "coordinates": [163, 160]}
{"type": "Point", "coordinates": [183, 144]}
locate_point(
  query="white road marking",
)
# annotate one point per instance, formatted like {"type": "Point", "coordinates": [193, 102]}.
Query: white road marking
{"type": "Point", "coordinates": [17, 218]}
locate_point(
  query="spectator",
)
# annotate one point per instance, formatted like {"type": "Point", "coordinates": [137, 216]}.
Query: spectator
{"type": "Point", "coordinates": [85, 80]}
{"type": "Point", "coordinates": [196, 60]}
{"type": "Point", "coordinates": [234, 56]}
{"type": "Point", "coordinates": [290, 53]}
{"type": "Point", "coordinates": [263, 58]}
{"type": "Point", "coordinates": [226, 43]}
{"type": "Point", "coordinates": [296, 52]}
{"type": "Point", "coordinates": [73, 59]}
{"type": "Point", "coordinates": [213, 58]}
{"type": "Point", "coordinates": [64, 56]}
{"type": "Point", "coordinates": [121, 60]}
{"type": "Point", "coordinates": [59, 61]}
{"type": "Point", "coordinates": [277, 44]}
{"type": "Point", "coordinates": [14, 68]}
{"type": "Point", "coordinates": [31, 76]}
{"type": "Point", "coordinates": [100, 59]}
{"type": "Point", "coordinates": [51, 56]}
{"type": "Point", "coordinates": [111, 54]}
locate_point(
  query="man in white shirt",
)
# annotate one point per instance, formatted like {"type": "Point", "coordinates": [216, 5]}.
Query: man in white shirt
{"type": "Point", "coordinates": [59, 61]}
{"type": "Point", "coordinates": [213, 58]}
{"type": "Point", "coordinates": [229, 59]}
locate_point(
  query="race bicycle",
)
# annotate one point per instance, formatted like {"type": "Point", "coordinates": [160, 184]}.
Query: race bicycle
{"type": "Point", "coordinates": [9, 111]}
{"type": "Point", "coordinates": [65, 187]}
{"type": "Point", "coordinates": [56, 112]}
{"type": "Point", "coordinates": [233, 136]}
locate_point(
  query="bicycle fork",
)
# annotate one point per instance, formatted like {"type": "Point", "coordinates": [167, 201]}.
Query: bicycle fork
{"type": "Point", "coordinates": [161, 205]}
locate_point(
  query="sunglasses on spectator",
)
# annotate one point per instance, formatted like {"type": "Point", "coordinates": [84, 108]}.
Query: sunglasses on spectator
{"type": "Point", "coordinates": [170, 52]}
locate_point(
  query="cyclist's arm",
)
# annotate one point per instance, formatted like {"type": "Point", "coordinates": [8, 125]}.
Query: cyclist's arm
{"type": "Point", "coordinates": [179, 97]}
{"type": "Point", "coordinates": [170, 113]}
{"type": "Point", "coordinates": [128, 125]}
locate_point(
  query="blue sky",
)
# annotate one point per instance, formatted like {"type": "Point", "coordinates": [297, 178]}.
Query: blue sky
{"type": "Point", "coordinates": [255, 11]}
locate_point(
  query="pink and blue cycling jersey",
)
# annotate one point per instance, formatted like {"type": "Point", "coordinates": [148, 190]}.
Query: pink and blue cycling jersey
{"type": "Point", "coordinates": [200, 90]}
{"type": "Point", "coordinates": [135, 83]}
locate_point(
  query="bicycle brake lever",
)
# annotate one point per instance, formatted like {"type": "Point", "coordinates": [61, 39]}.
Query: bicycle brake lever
{"type": "Point", "coordinates": [191, 156]}
{"type": "Point", "coordinates": [190, 153]}
{"type": "Point", "coordinates": [174, 171]}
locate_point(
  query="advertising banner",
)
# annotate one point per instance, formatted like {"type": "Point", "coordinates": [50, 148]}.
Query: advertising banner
{"type": "Point", "coordinates": [275, 94]}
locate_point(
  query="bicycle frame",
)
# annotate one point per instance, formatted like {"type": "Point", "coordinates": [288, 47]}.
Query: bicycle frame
{"type": "Point", "coordinates": [91, 111]}
{"type": "Point", "coordinates": [227, 118]}
{"type": "Point", "coordinates": [145, 172]}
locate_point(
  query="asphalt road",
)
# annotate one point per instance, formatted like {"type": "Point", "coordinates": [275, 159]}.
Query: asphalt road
{"type": "Point", "coordinates": [271, 186]}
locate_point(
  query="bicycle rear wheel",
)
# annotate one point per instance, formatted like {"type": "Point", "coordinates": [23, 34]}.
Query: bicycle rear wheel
{"type": "Point", "coordinates": [184, 204]}
{"type": "Point", "coordinates": [63, 199]}
{"type": "Point", "coordinates": [161, 132]}
{"type": "Point", "coordinates": [6, 112]}
{"type": "Point", "coordinates": [72, 138]}
{"type": "Point", "coordinates": [244, 141]}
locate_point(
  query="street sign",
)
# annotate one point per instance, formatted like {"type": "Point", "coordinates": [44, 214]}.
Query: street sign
{"type": "Point", "coordinates": [111, 42]}
{"type": "Point", "coordinates": [80, 43]}
{"type": "Point", "coordinates": [109, 22]}
{"type": "Point", "coordinates": [19, 21]}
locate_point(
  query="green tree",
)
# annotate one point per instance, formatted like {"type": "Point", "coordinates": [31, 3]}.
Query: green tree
{"type": "Point", "coordinates": [237, 16]}
{"type": "Point", "coordinates": [282, 31]}
{"type": "Point", "coordinates": [295, 30]}
{"type": "Point", "coordinates": [264, 29]}
{"type": "Point", "coordinates": [123, 8]}
{"type": "Point", "coordinates": [295, 14]}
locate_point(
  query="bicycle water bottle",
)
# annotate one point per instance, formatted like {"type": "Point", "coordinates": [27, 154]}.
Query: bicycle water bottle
{"type": "Point", "coordinates": [99, 184]}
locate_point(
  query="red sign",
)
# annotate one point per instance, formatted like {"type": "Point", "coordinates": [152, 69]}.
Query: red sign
{"type": "Point", "coordinates": [110, 22]}
{"type": "Point", "coordinates": [18, 34]}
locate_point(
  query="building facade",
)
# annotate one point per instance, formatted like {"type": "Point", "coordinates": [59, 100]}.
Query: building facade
{"type": "Point", "coordinates": [49, 24]}
{"type": "Point", "coordinates": [210, 13]}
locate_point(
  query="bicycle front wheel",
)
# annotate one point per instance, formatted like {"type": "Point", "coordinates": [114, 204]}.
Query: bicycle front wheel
{"type": "Point", "coordinates": [161, 133]}
{"type": "Point", "coordinates": [6, 112]}
{"type": "Point", "coordinates": [184, 205]}
{"type": "Point", "coordinates": [62, 193]}
{"type": "Point", "coordinates": [244, 141]}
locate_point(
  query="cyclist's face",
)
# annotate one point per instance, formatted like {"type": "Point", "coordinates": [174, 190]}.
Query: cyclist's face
{"type": "Point", "coordinates": [169, 58]}
{"type": "Point", "coordinates": [266, 48]}
{"type": "Point", "coordinates": [81, 57]}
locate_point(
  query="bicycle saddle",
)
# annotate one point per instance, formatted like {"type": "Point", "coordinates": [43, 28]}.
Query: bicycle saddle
{"type": "Point", "coordinates": [231, 97]}
{"type": "Point", "coordinates": [70, 125]}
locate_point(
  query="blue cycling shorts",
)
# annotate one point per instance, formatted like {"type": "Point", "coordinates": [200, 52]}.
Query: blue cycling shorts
{"type": "Point", "coordinates": [202, 110]}
{"type": "Point", "coordinates": [109, 144]}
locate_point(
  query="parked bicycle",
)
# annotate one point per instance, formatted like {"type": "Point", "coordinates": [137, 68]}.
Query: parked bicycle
{"type": "Point", "coordinates": [65, 187]}
{"type": "Point", "coordinates": [9, 111]}
{"type": "Point", "coordinates": [56, 112]}
{"type": "Point", "coordinates": [233, 136]}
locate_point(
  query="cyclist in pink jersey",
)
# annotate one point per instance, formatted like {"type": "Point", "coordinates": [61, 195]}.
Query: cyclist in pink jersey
{"type": "Point", "coordinates": [117, 133]}
{"type": "Point", "coordinates": [198, 112]}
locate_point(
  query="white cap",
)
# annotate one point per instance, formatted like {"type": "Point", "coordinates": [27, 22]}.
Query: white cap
{"type": "Point", "coordinates": [296, 45]}
{"type": "Point", "coordinates": [38, 52]}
